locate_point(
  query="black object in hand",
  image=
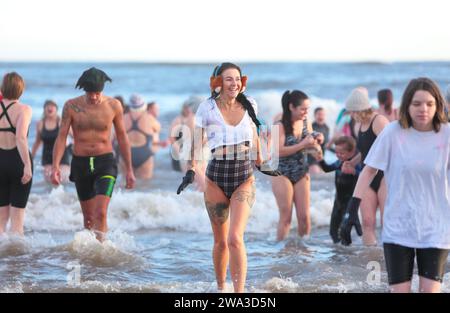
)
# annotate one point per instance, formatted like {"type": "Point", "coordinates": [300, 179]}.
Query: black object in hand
{"type": "Point", "coordinates": [349, 220]}
{"type": "Point", "coordinates": [187, 179]}
{"type": "Point", "coordinates": [270, 173]}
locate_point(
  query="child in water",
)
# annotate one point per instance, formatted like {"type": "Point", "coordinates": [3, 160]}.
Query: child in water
{"type": "Point", "coordinates": [345, 182]}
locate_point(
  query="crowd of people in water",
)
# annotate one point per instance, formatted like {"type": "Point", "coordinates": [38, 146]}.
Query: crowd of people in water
{"type": "Point", "coordinates": [392, 160]}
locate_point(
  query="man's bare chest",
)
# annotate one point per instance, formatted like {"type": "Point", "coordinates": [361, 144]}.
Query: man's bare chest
{"type": "Point", "coordinates": [96, 120]}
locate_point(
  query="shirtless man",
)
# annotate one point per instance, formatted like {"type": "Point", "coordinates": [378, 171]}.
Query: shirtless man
{"type": "Point", "coordinates": [93, 168]}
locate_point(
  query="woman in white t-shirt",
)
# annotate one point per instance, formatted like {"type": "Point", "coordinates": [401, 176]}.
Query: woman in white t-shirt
{"type": "Point", "coordinates": [229, 120]}
{"type": "Point", "coordinates": [414, 154]}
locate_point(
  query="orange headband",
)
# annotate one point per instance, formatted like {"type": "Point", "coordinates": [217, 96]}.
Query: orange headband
{"type": "Point", "coordinates": [216, 82]}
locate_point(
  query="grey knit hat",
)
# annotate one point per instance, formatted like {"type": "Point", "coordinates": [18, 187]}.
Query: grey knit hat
{"type": "Point", "coordinates": [358, 100]}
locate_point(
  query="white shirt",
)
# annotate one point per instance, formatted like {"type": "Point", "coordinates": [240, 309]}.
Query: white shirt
{"type": "Point", "coordinates": [220, 133]}
{"type": "Point", "coordinates": [416, 167]}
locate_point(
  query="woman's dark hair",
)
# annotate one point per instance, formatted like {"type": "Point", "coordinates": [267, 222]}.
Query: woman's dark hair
{"type": "Point", "coordinates": [296, 97]}
{"type": "Point", "coordinates": [425, 84]}
{"type": "Point", "coordinates": [386, 98]}
{"type": "Point", "coordinates": [218, 70]}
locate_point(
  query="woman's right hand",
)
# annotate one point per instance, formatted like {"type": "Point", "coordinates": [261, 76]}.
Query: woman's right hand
{"type": "Point", "coordinates": [27, 174]}
{"type": "Point", "coordinates": [307, 142]}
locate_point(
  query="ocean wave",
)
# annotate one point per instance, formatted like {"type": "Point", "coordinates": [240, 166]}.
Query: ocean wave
{"type": "Point", "coordinates": [159, 209]}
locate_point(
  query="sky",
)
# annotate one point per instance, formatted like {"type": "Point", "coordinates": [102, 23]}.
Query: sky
{"type": "Point", "coordinates": [234, 30]}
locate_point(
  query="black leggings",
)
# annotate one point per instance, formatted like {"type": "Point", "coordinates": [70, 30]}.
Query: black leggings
{"type": "Point", "coordinates": [400, 263]}
{"type": "Point", "coordinates": [12, 191]}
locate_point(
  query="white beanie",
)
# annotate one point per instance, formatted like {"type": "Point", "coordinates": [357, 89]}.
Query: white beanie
{"type": "Point", "coordinates": [358, 100]}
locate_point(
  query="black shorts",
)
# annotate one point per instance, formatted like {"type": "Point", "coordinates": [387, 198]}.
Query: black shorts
{"type": "Point", "coordinates": [12, 191]}
{"type": "Point", "coordinates": [400, 263]}
{"type": "Point", "coordinates": [376, 182]}
{"type": "Point", "coordinates": [94, 175]}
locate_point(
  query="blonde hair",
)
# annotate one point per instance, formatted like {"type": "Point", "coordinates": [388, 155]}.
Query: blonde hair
{"type": "Point", "coordinates": [364, 116]}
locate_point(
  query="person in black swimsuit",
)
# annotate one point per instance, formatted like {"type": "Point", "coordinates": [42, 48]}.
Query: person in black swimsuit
{"type": "Point", "coordinates": [16, 165]}
{"type": "Point", "coordinates": [139, 126]}
{"type": "Point", "coordinates": [46, 132]}
{"type": "Point", "coordinates": [369, 125]}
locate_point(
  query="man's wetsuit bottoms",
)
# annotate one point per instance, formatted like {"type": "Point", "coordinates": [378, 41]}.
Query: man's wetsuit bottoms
{"type": "Point", "coordinates": [400, 263]}
{"type": "Point", "coordinates": [93, 175]}
{"type": "Point", "coordinates": [12, 191]}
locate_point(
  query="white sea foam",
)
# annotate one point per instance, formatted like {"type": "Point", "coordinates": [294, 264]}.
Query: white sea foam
{"type": "Point", "coordinates": [13, 245]}
{"type": "Point", "coordinates": [115, 251]}
{"type": "Point", "coordinates": [157, 209]}
{"type": "Point", "coordinates": [279, 284]}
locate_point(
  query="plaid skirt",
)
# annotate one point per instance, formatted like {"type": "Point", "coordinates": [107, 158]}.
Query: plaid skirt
{"type": "Point", "coordinates": [229, 174]}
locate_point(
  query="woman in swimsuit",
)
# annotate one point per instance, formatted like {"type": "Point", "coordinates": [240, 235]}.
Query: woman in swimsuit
{"type": "Point", "coordinates": [293, 187]}
{"type": "Point", "coordinates": [46, 132]}
{"type": "Point", "coordinates": [140, 126]}
{"type": "Point", "coordinates": [369, 125]}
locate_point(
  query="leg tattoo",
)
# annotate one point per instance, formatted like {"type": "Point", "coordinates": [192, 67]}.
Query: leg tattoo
{"type": "Point", "coordinates": [218, 212]}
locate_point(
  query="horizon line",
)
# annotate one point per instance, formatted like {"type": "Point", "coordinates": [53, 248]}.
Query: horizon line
{"type": "Point", "coordinates": [207, 62]}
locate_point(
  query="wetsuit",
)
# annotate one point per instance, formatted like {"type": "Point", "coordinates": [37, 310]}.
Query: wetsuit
{"type": "Point", "coordinates": [364, 141]}
{"type": "Point", "coordinates": [48, 138]}
{"type": "Point", "coordinates": [12, 191]}
{"type": "Point", "coordinates": [294, 166]}
{"type": "Point", "coordinates": [345, 185]}
{"type": "Point", "coordinates": [140, 155]}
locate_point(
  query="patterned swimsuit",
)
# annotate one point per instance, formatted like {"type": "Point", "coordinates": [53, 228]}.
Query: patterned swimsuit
{"type": "Point", "coordinates": [294, 166]}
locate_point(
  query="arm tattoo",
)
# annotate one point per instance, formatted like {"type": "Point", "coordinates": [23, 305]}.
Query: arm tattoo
{"type": "Point", "coordinates": [218, 212]}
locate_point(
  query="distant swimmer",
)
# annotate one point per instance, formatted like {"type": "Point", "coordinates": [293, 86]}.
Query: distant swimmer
{"type": "Point", "coordinates": [16, 165]}
{"type": "Point", "coordinates": [93, 167]}
{"type": "Point", "coordinates": [140, 126]}
{"type": "Point", "coordinates": [185, 122]}
{"type": "Point", "coordinates": [46, 132]}
{"type": "Point", "coordinates": [385, 102]}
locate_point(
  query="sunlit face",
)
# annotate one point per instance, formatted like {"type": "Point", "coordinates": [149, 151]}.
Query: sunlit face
{"type": "Point", "coordinates": [154, 110]}
{"type": "Point", "coordinates": [320, 116]}
{"type": "Point", "coordinates": [300, 112]}
{"type": "Point", "coordinates": [50, 110]}
{"type": "Point", "coordinates": [422, 110]}
{"type": "Point", "coordinates": [94, 97]}
{"type": "Point", "coordinates": [342, 153]}
{"type": "Point", "coordinates": [232, 83]}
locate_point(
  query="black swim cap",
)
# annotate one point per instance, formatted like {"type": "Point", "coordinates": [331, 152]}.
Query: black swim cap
{"type": "Point", "coordinates": [92, 80]}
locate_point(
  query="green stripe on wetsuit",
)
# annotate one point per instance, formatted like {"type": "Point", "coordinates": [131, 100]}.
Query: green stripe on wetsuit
{"type": "Point", "coordinates": [111, 183]}
{"type": "Point", "coordinates": [91, 164]}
